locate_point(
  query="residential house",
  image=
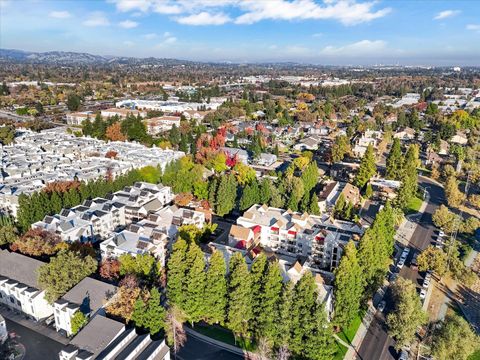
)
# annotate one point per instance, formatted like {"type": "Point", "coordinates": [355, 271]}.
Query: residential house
{"type": "Point", "coordinates": [19, 288]}
{"type": "Point", "coordinates": [328, 196]}
{"type": "Point", "coordinates": [351, 194]}
{"type": "Point", "coordinates": [89, 296]}
{"type": "Point", "coordinates": [266, 159]}
{"type": "Point", "coordinates": [459, 138]}
{"type": "Point", "coordinates": [308, 143]}
{"type": "Point", "coordinates": [107, 339]}
{"type": "Point", "coordinates": [444, 147]}
{"type": "Point", "coordinates": [384, 189]}
{"type": "Point", "coordinates": [240, 154]}
{"type": "Point", "coordinates": [370, 137]}
{"type": "Point", "coordinates": [406, 134]}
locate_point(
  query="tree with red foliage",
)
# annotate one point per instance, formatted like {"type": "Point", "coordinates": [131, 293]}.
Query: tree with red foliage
{"type": "Point", "coordinates": [110, 269]}
{"type": "Point", "coordinates": [231, 160]}
{"type": "Point", "coordinates": [61, 186]}
{"type": "Point", "coordinates": [37, 242]}
{"type": "Point", "coordinates": [111, 154]}
{"type": "Point", "coordinates": [114, 132]}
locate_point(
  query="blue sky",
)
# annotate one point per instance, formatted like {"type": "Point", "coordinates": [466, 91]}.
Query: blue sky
{"type": "Point", "coordinates": [338, 32]}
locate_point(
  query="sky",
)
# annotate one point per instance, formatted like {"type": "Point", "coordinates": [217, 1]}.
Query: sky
{"type": "Point", "coordinates": [329, 32]}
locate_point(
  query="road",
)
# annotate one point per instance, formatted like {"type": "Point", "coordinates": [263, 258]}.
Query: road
{"type": "Point", "coordinates": [37, 346]}
{"type": "Point", "coordinates": [377, 345]}
{"type": "Point", "coordinates": [196, 349]}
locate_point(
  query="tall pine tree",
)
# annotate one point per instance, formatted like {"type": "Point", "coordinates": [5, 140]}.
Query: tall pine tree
{"type": "Point", "coordinates": [195, 284]}
{"type": "Point", "coordinates": [394, 162]}
{"type": "Point", "coordinates": [177, 270]}
{"type": "Point", "coordinates": [216, 289]}
{"type": "Point", "coordinates": [367, 168]}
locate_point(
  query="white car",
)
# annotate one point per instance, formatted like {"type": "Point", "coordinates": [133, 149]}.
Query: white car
{"type": "Point", "coordinates": [441, 233]}
{"type": "Point", "coordinates": [426, 283]}
{"type": "Point", "coordinates": [423, 294]}
{"type": "Point", "coordinates": [428, 275]}
{"type": "Point", "coordinates": [401, 263]}
{"type": "Point", "coordinates": [438, 245]}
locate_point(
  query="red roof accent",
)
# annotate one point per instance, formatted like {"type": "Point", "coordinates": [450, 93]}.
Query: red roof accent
{"type": "Point", "coordinates": [242, 244]}
{"type": "Point", "coordinates": [257, 250]}
{"type": "Point", "coordinates": [320, 239]}
{"type": "Point", "coordinates": [256, 229]}
{"type": "Point", "coordinates": [273, 228]}
{"type": "Point", "coordinates": [292, 232]}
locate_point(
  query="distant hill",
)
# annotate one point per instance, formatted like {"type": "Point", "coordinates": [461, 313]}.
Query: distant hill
{"type": "Point", "coordinates": [67, 57]}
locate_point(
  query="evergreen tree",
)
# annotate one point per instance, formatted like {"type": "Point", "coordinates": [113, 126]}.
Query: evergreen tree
{"type": "Point", "coordinates": [313, 207]}
{"type": "Point", "coordinates": [283, 325]}
{"type": "Point", "coordinates": [177, 269]}
{"type": "Point", "coordinates": [195, 284]}
{"type": "Point", "coordinates": [216, 289]}
{"type": "Point", "coordinates": [226, 195]}
{"type": "Point", "coordinates": [250, 196]}
{"type": "Point", "coordinates": [276, 199]}
{"type": "Point", "coordinates": [265, 192]}
{"type": "Point", "coordinates": [155, 313]}
{"type": "Point", "coordinates": [212, 192]}
{"type": "Point", "coordinates": [257, 274]}
{"type": "Point", "coordinates": [367, 168]}
{"type": "Point", "coordinates": [302, 312]}
{"type": "Point", "coordinates": [319, 341]}
{"type": "Point", "coordinates": [139, 313]}
{"type": "Point", "coordinates": [292, 203]}
{"type": "Point", "coordinates": [310, 176]}
{"type": "Point", "coordinates": [394, 162]}
{"type": "Point", "coordinates": [304, 204]}
{"type": "Point", "coordinates": [240, 298]}
{"type": "Point", "coordinates": [349, 282]}
{"type": "Point", "coordinates": [174, 135]}
{"type": "Point", "coordinates": [55, 203]}
{"type": "Point", "coordinates": [269, 304]}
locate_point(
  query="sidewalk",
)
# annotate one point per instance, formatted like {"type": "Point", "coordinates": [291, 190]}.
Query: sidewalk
{"type": "Point", "coordinates": [33, 325]}
{"type": "Point", "coordinates": [360, 335]}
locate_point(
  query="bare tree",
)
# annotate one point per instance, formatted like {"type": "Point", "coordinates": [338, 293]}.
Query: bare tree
{"type": "Point", "coordinates": [264, 350]}
{"type": "Point", "coordinates": [283, 353]}
{"type": "Point", "coordinates": [176, 334]}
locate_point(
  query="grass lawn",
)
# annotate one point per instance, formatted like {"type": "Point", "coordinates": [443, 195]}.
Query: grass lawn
{"type": "Point", "coordinates": [413, 205]}
{"type": "Point", "coordinates": [223, 335]}
{"type": "Point", "coordinates": [342, 351]}
{"type": "Point", "coordinates": [348, 334]}
{"type": "Point", "coordinates": [475, 356]}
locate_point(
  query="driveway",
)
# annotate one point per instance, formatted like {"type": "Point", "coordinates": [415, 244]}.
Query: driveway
{"type": "Point", "coordinates": [37, 346]}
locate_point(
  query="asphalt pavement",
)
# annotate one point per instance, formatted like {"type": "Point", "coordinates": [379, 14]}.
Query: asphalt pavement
{"type": "Point", "coordinates": [37, 346]}
{"type": "Point", "coordinates": [196, 349]}
{"type": "Point", "coordinates": [377, 345]}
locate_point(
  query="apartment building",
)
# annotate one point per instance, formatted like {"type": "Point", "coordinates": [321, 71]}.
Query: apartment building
{"type": "Point", "coordinates": [161, 124]}
{"type": "Point", "coordinates": [122, 113]}
{"type": "Point", "coordinates": [107, 339]}
{"type": "Point", "coordinates": [96, 219]}
{"type": "Point", "coordinates": [320, 239]}
{"type": "Point", "coordinates": [19, 288]}
{"type": "Point", "coordinates": [36, 159]}
{"type": "Point", "coordinates": [151, 235]}
{"type": "Point", "coordinates": [77, 118]}
{"type": "Point", "coordinates": [89, 296]}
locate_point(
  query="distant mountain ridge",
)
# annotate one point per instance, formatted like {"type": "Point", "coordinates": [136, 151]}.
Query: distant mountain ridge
{"type": "Point", "coordinates": [69, 57]}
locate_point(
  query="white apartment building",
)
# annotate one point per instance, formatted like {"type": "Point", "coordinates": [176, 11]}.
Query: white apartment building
{"type": "Point", "coordinates": [19, 288]}
{"type": "Point", "coordinates": [122, 113]}
{"type": "Point", "coordinates": [161, 124]}
{"type": "Point", "coordinates": [89, 296]}
{"type": "Point", "coordinates": [318, 238]}
{"type": "Point", "coordinates": [77, 118]}
{"type": "Point", "coordinates": [151, 235]}
{"type": "Point", "coordinates": [107, 339]}
{"type": "Point", "coordinates": [96, 219]}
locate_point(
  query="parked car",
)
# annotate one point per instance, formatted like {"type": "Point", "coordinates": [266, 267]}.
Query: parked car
{"type": "Point", "coordinates": [403, 355]}
{"type": "Point", "coordinates": [423, 294]}
{"type": "Point", "coordinates": [381, 306]}
{"type": "Point", "coordinates": [441, 233]}
{"type": "Point", "coordinates": [401, 263]}
{"type": "Point", "coordinates": [393, 276]}
{"type": "Point", "coordinates": [426, 283]}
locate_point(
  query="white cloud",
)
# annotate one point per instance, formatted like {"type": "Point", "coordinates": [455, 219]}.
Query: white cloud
{"type": "Point", "coordinates": [130, 5]}
{"type": "Point", "coordinates": [204, 18]}
{"type": "Point", "coordinates": [363, 47]}
{"type": "Point", "coordinates": [446, 14]}
{"type": "Point", "coordinates": [214, 12]}
{"type": "Point", "coordinates": [60, 14]}
{"type": "Point", "coordinates": [317, 35]}
{"type": "Point", "coordinates": [170, 40]}
{"type": "Point", "coordinates": [150, 36]}
{"type": "Point", "coordinates": [96, 18]}
{"type": "Point", "coordinates": [473, 27]}
{"type": "Point", "coordinates": [348, 12]}
{"type": "Point", "coordinates": [128, 24]}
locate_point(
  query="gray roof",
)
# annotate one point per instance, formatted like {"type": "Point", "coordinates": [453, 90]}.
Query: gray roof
{"type": "Point", "coordinates": [90, 294]}
{"type": "Point", "coordinates": [19, 267]}
{"type": "Point", "coordinates": [97, 334]}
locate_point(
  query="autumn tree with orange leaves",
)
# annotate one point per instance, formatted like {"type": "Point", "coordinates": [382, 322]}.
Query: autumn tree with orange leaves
{"type": "Point", "coordinates": [114, 132]}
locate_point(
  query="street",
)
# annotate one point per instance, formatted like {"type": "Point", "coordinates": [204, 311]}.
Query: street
{"type": "Point", "coordinates": [37, 346]}
{"type": "Point", "coordinates": [196, 349]}
{"type": "Point", "coordinates": [377, 345]}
